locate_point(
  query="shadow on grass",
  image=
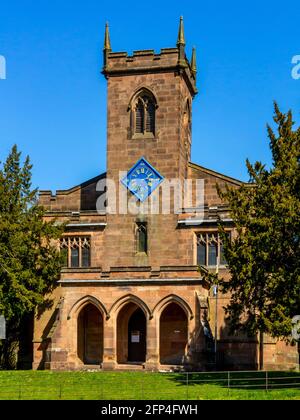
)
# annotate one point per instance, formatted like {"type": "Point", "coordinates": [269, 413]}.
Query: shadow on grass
{"type": "Point", "coordinates": [239, 380]}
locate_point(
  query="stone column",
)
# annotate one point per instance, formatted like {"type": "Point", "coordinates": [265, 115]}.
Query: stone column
{"type": "Point", "coordinates": [152, 356]}
{"type": "Point", "coordinates": [109, 344]}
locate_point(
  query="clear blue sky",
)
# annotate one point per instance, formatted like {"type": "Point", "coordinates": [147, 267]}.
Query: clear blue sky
{"type": "Point", "coordinates": [53, 103]}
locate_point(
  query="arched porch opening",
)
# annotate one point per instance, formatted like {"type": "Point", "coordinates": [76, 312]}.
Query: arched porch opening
{"type": "Point", "coordinates": [173, 335]}
{"type": "Point", "coordinates": [90, 335]}
{"type": "Point", "coordinates": [131, 334]}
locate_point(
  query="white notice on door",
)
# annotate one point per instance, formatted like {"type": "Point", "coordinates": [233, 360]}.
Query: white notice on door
{"type": "Point", "coordinates": [135, 337]}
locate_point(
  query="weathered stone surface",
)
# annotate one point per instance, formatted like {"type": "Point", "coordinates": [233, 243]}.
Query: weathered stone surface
{"type": "Point", "coordinates": [120, 281]}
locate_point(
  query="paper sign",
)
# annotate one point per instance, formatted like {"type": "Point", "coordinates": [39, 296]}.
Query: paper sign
{"type": "Point", "coordinates": [2, 328]}
{"type": "Point", "coordinates": [135, 337]}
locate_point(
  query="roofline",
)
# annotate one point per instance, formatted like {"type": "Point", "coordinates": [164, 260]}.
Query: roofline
{"type": "Point", "coordinates": [217, 174]}
{"type": "Point", "coordinates": [77, 187]}
{"type": "Point", "coordinates": [103, 175]}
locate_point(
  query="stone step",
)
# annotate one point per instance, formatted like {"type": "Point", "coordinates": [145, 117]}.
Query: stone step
{"type": "Point", "coordinates": [130, 366]}
{"type": "Point", "coordinates": [91, 368]}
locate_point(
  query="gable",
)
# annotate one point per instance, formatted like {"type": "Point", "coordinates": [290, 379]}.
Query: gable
{"type": "Point", "coordinates": [211, 180]}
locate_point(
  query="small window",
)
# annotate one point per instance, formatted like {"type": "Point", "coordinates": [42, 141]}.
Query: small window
{"type": "Point", "coordinates": [75, 252]}
{"type": "Point", "coordinates": [142, 238]}
{"type": "Point", "coordinates": [188, 117]}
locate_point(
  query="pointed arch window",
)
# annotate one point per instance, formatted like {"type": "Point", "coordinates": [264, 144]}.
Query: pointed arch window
{"type": "Point", "coordinates": [143, 115]}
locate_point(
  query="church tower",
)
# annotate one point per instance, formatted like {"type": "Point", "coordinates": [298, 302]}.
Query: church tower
{"type": "Point", "coordinates": [149, 107]}
{"type": "Point", "coordinates": [149, 104]}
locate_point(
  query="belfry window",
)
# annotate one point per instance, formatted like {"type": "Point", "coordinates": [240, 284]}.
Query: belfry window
{"type": "Point", "coordinates": [142, 238]}
{"type": "Point", "coordinates": [210, 249]}
{"type": "Point", "coordinates": [143, 110]}
{"type": "Point", "coordinates": [75, 251]}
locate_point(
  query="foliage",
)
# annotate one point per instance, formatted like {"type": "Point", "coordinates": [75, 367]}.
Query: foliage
{"type": "Point", "coordinates": [29, 259]}
{"type": "Point", "coordinates": [264, 257]}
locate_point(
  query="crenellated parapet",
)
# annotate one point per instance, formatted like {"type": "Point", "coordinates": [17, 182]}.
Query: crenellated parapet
{"type": "Point", "coordinates": [145, 61]}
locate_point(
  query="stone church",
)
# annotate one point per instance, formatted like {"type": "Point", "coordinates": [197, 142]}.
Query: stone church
{"type": "Point", "coordinates": [130, 295]}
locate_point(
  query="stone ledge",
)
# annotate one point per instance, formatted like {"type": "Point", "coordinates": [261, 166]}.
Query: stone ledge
{"type": "Point", "coordinates": [81, 270]}
{"type": "Point", "coordinates": [127, 282]}
{"type": "Point", "coordinates": [129, 269]}
{"type": "Point", "coordinates": [179, 268]}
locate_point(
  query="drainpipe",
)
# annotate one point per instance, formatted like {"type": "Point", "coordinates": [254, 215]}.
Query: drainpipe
{"type": "Point", "coordinates": [216, 312]}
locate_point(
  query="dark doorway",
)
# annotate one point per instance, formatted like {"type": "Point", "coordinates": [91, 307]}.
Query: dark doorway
{"type": "Point", "coordinates": [173, 335]}
{"type": "Point", "coordinates": [25, 351]}
{"type": "Point", "coordinates": [90, 335]}
{"type": "Point", "coordinates": [137, 337]}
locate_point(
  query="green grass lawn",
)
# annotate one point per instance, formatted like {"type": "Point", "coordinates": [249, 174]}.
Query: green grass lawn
{"type": "Point", "coordinates": [37, 385]}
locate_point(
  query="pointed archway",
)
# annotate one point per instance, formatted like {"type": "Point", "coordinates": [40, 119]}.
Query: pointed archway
{"type": "Point", "coordinates": [137, 337]}
{"type": "Point", "coordinates": [90, 335]}
{"type": "Point", "coordinates": [173, 335]}
{"type": "Point", "coordinates": [131, 334]}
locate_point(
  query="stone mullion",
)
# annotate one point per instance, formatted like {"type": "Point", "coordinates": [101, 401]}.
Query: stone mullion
{"type": "Point", "coordinates": [79, 252]}
{"type": "Point", "coordinates": [133, 120]}
{"type": "Point", "coordinates": [110, 344]}
{"type": "Point", "coordinates": [207, 249]}
{"type": "Point", "coordinates": [219, 250]}
{"type": "Point", "coordinates": [90, 252]}
{"type": "Point", "coordinates": [144, 118]}
{"type": "Point", "coordinates": [69, 252]}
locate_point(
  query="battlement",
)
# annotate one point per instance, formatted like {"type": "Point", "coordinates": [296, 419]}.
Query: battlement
{"type": "Point", "coordinates": [141, 60]}
{"type": "Point", "coordinates": [147, 61]}
{"type": "Point", "coordinates": [145, 53]}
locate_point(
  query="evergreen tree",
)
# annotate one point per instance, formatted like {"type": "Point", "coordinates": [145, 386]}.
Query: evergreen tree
{"type": "Point", "coordinates": [264, 259]}
{"type": "Point", "coordinates": [29, 258]}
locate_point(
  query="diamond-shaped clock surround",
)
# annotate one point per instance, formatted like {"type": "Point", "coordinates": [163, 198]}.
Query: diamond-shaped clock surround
{"type": "Point", "coordinates": [142, 184]}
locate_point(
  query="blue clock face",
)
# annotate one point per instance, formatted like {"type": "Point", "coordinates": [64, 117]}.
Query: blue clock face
{"type": "Point", "coordinates": [142, 179]}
